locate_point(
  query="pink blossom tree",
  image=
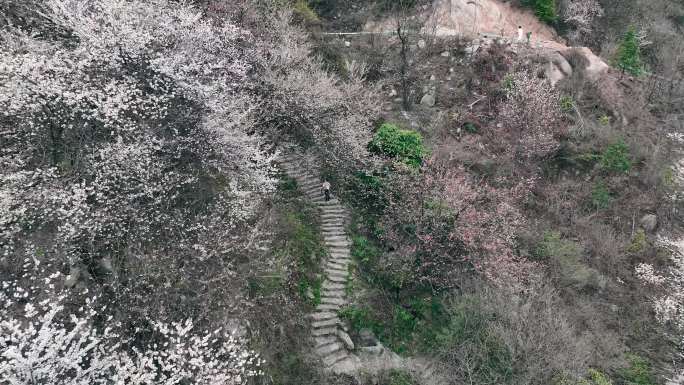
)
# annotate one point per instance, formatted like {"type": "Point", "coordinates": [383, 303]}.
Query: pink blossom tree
{"type": "Point", "coordinates": [449, 221]}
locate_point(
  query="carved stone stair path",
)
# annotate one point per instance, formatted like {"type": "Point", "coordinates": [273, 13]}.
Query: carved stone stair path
{"type": "Point", "coordinates": [332, 344]}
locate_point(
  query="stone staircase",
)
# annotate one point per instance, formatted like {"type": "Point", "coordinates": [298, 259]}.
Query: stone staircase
{"type": "Point", "coordinates": [333, 344]}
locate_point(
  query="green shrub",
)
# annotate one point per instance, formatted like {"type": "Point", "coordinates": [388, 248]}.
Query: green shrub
{"type": "Point", "coordinates": [600, 196]}
{"type": "Point", "coordinates": [264, 285]}
{"type": "Point", "coordinates": [629, 54]}
{"type": "Point", "coordinates": [287, 185]}
{"type": "Point", "coordinates": [544, 9]}
{"type": "Point", "coordinates": [604, 120]}
{"type": "Point", "coordinates": [508, 83]}
{"type": "Point", "coordinates": [360, 318]}
{"type": "Point", "coordinates": [363, 250]}
{"type": "Point", "coordinates": [595, 377]}
{"type": "Point", "coordinates": [567, 104]}
{"type": "Point", "coordinates": [349, 282]}
{"type": "Point", "coordinates": [598, 378]}
{"type": "Point", "coordinates": [303, 11]}
{"type": "Point", "coordinates": [638, 243]}
{"type": "Point", "coordinates": [552, 245]}
{"type": "Point", "coordinates": [366, 193]}
{"type": "Point", "coordinates": [305, 284]}
{"type": "Point", "coordinates": [470, 127]}
{"type": "Point", "coordinates": [667, 178]}
{"type": "Point", "coordinates": [638, 373]}
{"type": "Point", "coordinates": [616, 157]}
{"type": "Point", "coordinates": [304, 242]}
{"type": "Point", "coordinates": [399, 377]}
{"type": "Point", "coordinates": [405, 145]}
{"type": "Point", "coordinates": [469, 333]}
{"type": "Point", "coordinates": [565, 256]}
{"type": "Point", "coordinates": [402, 329]}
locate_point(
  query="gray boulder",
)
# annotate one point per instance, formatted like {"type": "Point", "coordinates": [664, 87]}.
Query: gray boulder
{"type": "Point", "coordinates": [428, 99]}
{"type": "Point", "coordinates": [649, 222]}
{"type": "Point", "coordinates": [346, 339]}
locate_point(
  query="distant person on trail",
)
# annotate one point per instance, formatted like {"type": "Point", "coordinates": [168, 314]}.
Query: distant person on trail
{"type": "Point", "coordinates": [529, 37]}
{"type": "Point", "coordinates": [520, 33]}
{"type": "Point", "coordinates": [326, 190]}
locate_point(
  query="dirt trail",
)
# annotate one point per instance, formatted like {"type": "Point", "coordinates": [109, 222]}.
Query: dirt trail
{"type": "Point", "coordinates": [493, 18]}
{"type": "Point", "coordinates": [471, 17]}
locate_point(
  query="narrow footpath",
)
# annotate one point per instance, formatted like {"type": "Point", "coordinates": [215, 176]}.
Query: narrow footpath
{"type": "Point", "coordinates": [332, 341]}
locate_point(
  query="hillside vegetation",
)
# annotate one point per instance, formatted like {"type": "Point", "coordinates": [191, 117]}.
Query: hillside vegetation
{"type": "Point", "coordinates": [506, 227]}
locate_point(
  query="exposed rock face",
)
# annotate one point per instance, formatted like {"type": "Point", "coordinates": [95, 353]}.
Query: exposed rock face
{"type": "Point", "coordinates": [497, 20]}
{"type": "Point", "coordinates": [557, 68]}
{"type": "Point", "coordinates": [428, 99]}
{"type": "Point", "coordinates": [468, 18]}
{"type": "Point", "coordinates": [649, 222]}
{"type": "Point", "coordinates": [594, 66]}
{"type": "Point", "coordinates": [367, 338]}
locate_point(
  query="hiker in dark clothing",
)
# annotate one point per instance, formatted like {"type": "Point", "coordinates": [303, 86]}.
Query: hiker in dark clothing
{"type": "Point", "coordinates": [326, 190]}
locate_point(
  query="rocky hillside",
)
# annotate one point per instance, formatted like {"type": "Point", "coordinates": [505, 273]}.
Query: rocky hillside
{"type": "Point", "coordinates": [502, 210]}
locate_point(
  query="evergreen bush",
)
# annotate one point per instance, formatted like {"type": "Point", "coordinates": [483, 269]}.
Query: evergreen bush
{"type": "Point", "coordinates": [544, 9]}
{"type": "Point", "coordinates": [629, 54]}
{"type": "Point", "coordinates": [616, 157]}
{"type": "Point", "coordinates": [393, 142]}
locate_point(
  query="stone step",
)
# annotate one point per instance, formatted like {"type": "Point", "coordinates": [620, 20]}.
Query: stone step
{"type": "Point", "coordinates": [330, 331]}
{"type": "Point", "coordinates": [335, 233]}
{"type": "Point", "coordinates": [334, 272]}
{"type": "Point", "coordinates": [339, 251]}
{"type": "Point", "coordinates": [325, 340]}
{"type": "Point", "coordinates": [311, 187]}
{"type": "Point", "coordinates": [313, 194]}
{"type": "Point", "coordinates": [327, 285]}
{"type": "Point", "coordinates": [332, 301]}
{"type": "Point", "coordinates": [336, 357]}
{"type": "Point", "coordinates": [337, 278]}
{"type": "Point", "coordinates": [335, 209]}
{"type": "Point", "coordinates": [326, 323]}
{"type": "Point", "coordinates": [334, 215]}
{"type": "Point", "coordinates": [333, 293]}
{"type": "Point", "coordinates": [332, 206]}
{"type": "Point", "coordinates": [328, 349]}
{"type": "Point", "coordinates": [337, 266]}
{"type": "Point", "coordinates": [298, 173]}
{"type": "Point", "coordinates": [322, 315]}
{"type": "Point", "coordinates": [334, 218]}
{"type": "Point", "coordinates": [336, 238]}
{"type": "Point", "coordinates": [337, 243]}
{"type": "Point", "coordinates": [333, 221]}
{"type": "Point", "coordinates": [332, 227]}
{"type": "Point", "coordinates": [306, 182]}
{"type": "Point", "coordinates": [328, 306]}
{"type": "Point", "coordinates": [322, 202]}
{"type": "Point", "coordinates": [337, 229]}
{"type": "Point", "coordinates": [292, 168]}
{"type": "Point", "coordinates": [341, 257]}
